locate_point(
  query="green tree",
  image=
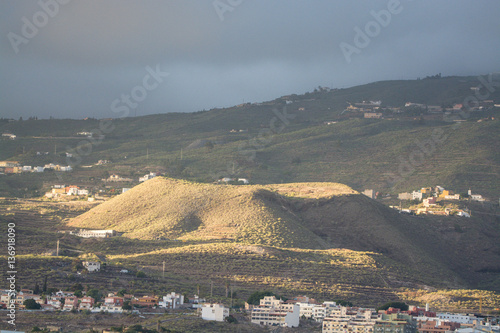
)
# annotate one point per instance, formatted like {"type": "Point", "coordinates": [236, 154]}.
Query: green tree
{"type": "Point", "coordinates": [140, 274]}
{"type": "Point", "coordinates": [95, 294]}
{"type": "Point", "coordinates": [230, 319]}
{"type": "Point", "coordinates": [31, 304]}
{"type": "Point", "coordinates": [397, 305]}
{"type": "Point", "coordinates": [255, 298]}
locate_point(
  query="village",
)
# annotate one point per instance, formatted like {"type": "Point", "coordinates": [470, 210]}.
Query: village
{"type": "Point", "coordinates": [331, 316]}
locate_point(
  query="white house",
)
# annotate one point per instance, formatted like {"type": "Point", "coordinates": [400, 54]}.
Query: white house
{"type": "Point", "coordinates": [27, 168]}
{"type": "Point", "coordinates": [452, 197]}
{"type": "Point", "coordinates": [243, 180]}
{"type": "Point", "coordinates": [82, 192]}
{"type": "Point", "coordinates": [66, 168]}
{"type": "Point", "coordinates": [476, 197]}
{"type": "Point", "coordinates": [171, 301]}
{"type": "Point", "coordinates": [92, 266]}
{"type": "Point", "coordinates": [149, 176]}
{"type": "Point", "coordinates": [215, 312]}
{"type": "Point", "coordinates": [38, 169]}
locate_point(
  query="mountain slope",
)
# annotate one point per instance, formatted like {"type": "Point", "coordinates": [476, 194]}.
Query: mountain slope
{"type": "Point", "coordinates": [303, 215]}
{"type": "Point", "coordinates": [179, 209]}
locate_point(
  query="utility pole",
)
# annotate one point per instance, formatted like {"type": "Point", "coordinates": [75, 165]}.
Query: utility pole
{"type": "Point", "coordinates": [55, 149]}
{"type": "Point", "coordinates": [163, 268]}
{"type": "Point", "coordinates": [211, 288]}
{"type": "Point", "coordinates": [231, 295]}
{"type": "Point", "coordinates": [57, 251]}
{"type": "Point", "coordinates": [147, 153]}
{"type": "Point", "coordinates": [181, 154]}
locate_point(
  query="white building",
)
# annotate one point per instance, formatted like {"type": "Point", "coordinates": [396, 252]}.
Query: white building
{"type": "Point", "coordinates": [38, 169]}
{"type": "Point", "coordinates": [215, 312]}
{"type": "Point", "coordinates": [243, 180]}
{"type": "Point", "coordinates": [476, 197]}
{"type": "Point", "coordinates": [82, 192]}
{"type": "Point", "coordinates": [95, 233]}
{"type": "Point", "coordinates": [452, 197]}
{"type": "Point", "coordinates": [171, 301]}
{"type": "Point", "coordinates": [457, 317]}
{"type": "Point", "coordinates": [273, 312]}
{"type": "Point", "coordinates": [92, 266]}
{"type": "Point", "coordinates": [416, 195]}
{"type": "Point", "coordinates": [149, 176]}
{"type": "Point", "coordinates": [66, 168]}
{"type": "Point", "coordinates": [27, 168]}
{"type": "Point", "coordinates": [346, 320]}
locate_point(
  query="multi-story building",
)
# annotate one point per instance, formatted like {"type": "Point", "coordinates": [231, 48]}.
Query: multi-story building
{"type": "Point", "coordinates": [457, 317]}
{"type": "Point", "coordinates": [274, 312]}
{"type": "Point", "coordinates": [350, 320]}
{"type": "Point", "coordinates": [86, 303]}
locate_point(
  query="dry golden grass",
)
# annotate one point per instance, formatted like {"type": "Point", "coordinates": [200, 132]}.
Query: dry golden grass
{"type": "Point", "coordinates": [188, 211]}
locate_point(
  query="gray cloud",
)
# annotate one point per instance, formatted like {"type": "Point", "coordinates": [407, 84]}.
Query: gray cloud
{"type": "Point", "coordinates": [92, 51]}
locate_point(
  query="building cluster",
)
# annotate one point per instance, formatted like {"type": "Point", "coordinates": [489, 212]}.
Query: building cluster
{"type": "Point", "coordinates": [271, 311]}
{"type": "Point", "coordinates": [60, 190]}
{"type": "Point", "coordinates": [68, 301]}
{"type": "Point", "coordinates": [375, 110]}
{"type": "Point", "coordinates": [16, 167]}
{"type": "Point", "coordinates": [342, 319]}
{"type": "Point", "coordinates": [431, 198]}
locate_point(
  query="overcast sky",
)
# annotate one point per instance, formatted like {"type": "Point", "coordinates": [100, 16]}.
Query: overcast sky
{"type": "Point", "coordinates": [81, 57]}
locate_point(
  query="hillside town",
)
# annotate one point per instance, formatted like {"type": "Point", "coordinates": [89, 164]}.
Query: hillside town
{"type": "Point", "coordinates": [333, 317]}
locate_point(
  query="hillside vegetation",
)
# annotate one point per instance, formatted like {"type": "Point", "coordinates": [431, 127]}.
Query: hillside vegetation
{"type": "Point", "coordinates": [267, 148]}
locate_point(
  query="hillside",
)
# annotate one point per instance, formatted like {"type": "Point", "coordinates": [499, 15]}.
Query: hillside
{"type": "Point", "coordinates": [179, 209]}
{"type": "Point", "coordinates": [307, 216]}
{"type": "Point", "coordinates": [238, 141]}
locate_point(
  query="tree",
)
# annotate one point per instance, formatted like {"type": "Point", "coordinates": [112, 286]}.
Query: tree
{"type": "Point", "coordinates": [126, 305]}
{"type": "Point", "coordinates": [36, 290]}
{"type": "Point", "coordinates": [397, 305]}
{"type": "Point", "coordinates": [140, 274]}
{"type": "Point", "coordinates": [45, 284]}
{"type": "Point", "coordinates": [31, 304]}
{"type": "Point", "coordinates": [258, 295]}
{"type": "Point", "coordinates": [95, 294]}
{"type": "Point", "coordinates": [209, 145]}
{"type": "Point", "coordinates": [230, 319]}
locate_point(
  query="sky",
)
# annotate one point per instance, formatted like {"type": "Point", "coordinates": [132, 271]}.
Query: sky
{"type": "Point", "coordinates": [115, 58]}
